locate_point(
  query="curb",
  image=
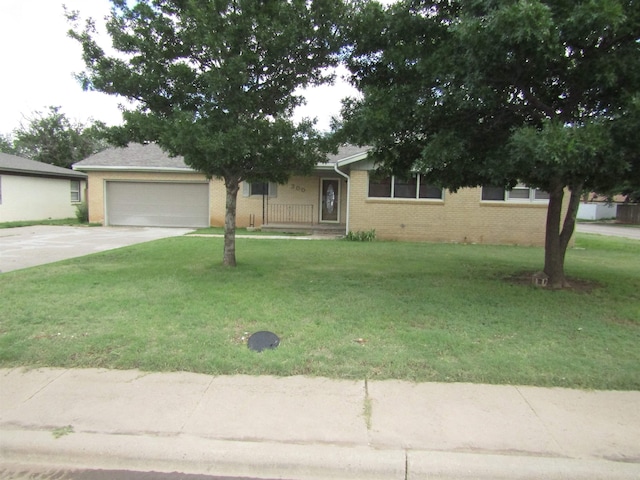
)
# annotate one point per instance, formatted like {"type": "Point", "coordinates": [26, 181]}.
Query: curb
{"type": "Point", "coordinates": [196, 455]}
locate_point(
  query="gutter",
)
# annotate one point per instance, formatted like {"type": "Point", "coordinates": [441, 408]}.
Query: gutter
{"type": "Point", "coordinates": [98, 168]}
{"type": "Point", "coordinates": [347, 161]}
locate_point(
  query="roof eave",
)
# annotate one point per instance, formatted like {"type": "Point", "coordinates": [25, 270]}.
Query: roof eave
{"type": "Point", "coordinates": [99, 168]}
{"type": "Point", "coordinates": [36, 173]}
{"type": "Point", "coordinates": [353, 158]}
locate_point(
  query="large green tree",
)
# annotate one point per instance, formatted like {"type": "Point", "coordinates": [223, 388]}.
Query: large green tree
{"type": "Point", "coordinates": [496, 92]}
{"type": "Point", "coordinates": [53, 138]}
{"type": "Point", "coordinates": [216, 81]}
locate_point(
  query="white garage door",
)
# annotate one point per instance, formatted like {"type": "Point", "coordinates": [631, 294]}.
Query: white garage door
{"type": "Point", "coordinates": [156, 204]}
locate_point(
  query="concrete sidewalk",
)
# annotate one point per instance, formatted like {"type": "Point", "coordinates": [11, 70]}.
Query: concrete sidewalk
{"type": "Point", "coordinates": [313, 428]}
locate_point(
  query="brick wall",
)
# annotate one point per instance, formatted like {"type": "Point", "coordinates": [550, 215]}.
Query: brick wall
{"type": "Point", "coordinates": [460, 217]}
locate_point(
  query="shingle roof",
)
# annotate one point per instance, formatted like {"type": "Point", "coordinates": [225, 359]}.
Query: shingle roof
{"type": "Point", "coordinates": [19, 165]}
{"type": "Point", "coordinates": [135, 155]}
{"type": "Point", "coordinates": [152, 157]}
{"type": "Point", "coordinates": [346, 151]}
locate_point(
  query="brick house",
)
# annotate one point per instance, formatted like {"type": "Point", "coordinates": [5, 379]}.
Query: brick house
{"type": "Point", "coordinates": [141, 185]}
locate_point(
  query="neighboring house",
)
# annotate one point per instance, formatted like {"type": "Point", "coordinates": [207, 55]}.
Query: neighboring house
{"type": "Point", "coordinates": [141, 185]}
{"type": "Point", "coordinates": [31, 190]}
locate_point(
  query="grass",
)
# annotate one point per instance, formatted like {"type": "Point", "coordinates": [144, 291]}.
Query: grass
{"type": "Point", "coordinates": [414, 311]}
{"type": "Point", "coordinates": [29, 223]}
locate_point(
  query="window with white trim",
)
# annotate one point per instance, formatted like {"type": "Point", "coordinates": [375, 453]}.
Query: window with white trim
{"type": "Point", "coordinates": [76, 194]}
{"type": "Point", "coordinates": [396, 186]}
{"type": "Point", "coordinates": [519, 193]}
{"type": "Point", "coordinates": [251, 189]}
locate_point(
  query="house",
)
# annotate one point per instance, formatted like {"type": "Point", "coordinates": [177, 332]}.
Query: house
{"type": "Point", "coordinates": [141, 185]}
{"type": "Point", "coordinates": [31, 190]}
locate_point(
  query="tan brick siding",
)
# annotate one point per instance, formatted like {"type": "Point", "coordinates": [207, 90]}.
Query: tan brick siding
{"type": "Point", "coordinates": [459, 217]}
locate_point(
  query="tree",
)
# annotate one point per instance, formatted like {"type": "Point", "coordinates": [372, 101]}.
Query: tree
{"type": "Point", "coordinates": [6, 144]}
{"type": "Point", "coordinates": [217, 81]}
{"type": "Point", "coordinates": [499, 92]}
{"type": "Point", "coordinates": [53, 138]}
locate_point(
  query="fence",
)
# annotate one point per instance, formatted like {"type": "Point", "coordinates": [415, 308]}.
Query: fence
{"type": "Point", "coordinates": [628, 213]}
{"type": "Point", "coordinates": [290, 214]}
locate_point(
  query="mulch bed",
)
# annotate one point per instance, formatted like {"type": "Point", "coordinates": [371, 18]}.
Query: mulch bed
{"type": "Point", "coordinates": [575, 284]}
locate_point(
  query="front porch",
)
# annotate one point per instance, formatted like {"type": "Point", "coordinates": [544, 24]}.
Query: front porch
{"type": "Point", "coordinates": [328, 229]}
{"type": "Point", "coordinates": [298, 218]}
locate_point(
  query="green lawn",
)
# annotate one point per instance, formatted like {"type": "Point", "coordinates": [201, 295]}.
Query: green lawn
{"type": "Point", "coordinates": [28, 223]}
{"type": "Point", "coordinates": [425, 312]}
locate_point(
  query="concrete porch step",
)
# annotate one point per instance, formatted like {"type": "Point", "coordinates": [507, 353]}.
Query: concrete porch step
{"type": "Point", "coordinates": [309, 229]}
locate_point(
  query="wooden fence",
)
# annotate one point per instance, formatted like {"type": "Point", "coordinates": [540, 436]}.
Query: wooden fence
{"type": "Point", "coordinates": [628, 213]}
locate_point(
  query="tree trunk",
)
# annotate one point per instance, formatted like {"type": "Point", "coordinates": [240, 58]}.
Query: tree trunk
{"type": "Point", "coordinates": [556, 240]}
{"type": "Point", "coordinates": [229, 257]}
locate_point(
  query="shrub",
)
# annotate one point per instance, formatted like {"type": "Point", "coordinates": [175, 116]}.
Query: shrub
{"type": "Point", "coordinates": [82, 212]}
{"type": "Point", "coordinates": [368, 236]}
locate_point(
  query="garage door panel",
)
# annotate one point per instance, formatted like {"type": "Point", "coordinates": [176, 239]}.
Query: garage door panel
{"type": "Point", "coordinates": [157, 204]}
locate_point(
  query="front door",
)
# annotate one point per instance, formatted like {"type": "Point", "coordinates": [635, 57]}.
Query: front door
{"type": "Point", "coordinates": [330, 200]}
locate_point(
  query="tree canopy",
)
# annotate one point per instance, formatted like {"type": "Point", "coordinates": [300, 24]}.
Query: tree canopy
{"type": "Point", "coordinates": [217, 82]}
{"type": "Point", "coordinates": [55, 139]}
{"type": "Point", "coordinates": [500, 92]}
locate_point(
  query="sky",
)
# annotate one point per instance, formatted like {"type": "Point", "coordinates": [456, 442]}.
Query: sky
{"type": "Point", "coordinates": [38, 62]}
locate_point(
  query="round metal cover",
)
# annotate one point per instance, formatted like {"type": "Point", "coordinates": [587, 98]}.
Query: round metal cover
{"type": "Point", "coordinates": [260, 341]}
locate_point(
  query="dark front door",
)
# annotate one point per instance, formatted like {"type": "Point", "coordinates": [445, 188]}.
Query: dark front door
{"type": "Point", "coordinates": [330, 200]}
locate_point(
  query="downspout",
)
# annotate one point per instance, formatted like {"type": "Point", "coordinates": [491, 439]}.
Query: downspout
{"type": "Point", "coordinates": [335, 167]}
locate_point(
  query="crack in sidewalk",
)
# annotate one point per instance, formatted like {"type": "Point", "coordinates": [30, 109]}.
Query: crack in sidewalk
{"type": "Point", "coordinates": [546, 428]}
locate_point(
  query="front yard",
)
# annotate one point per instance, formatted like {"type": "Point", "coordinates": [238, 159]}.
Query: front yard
{"type": "Point", "coordinates": [416, 311]}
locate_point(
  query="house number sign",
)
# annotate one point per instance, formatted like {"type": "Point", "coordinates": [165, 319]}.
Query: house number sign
{"type": "Point", "coordinates": [297, 188]}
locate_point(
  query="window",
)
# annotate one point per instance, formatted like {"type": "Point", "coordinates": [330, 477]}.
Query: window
{"type": "Point", "coordinates": [379, 187]}
{"type": "Point", "coordinates": [492, 193]}
{"type": "Point", "coordinates": [402, 187]}
{"type": "Point", "coordinates": [405, 187]}
{"type": "Point", "coordinates": [76, 195]}
{"type": "Point", "coordinates": [259, 189]}
{"type": "Point", "coordinates": [0, 190]}
{"type": "Point", "coordinates": [540, 195]}
{"type": "Point", "coordinates": [519, 193]}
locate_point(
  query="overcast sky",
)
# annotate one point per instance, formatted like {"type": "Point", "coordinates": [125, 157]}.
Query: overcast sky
{"type": "Point", "coordinates": [39, 60]}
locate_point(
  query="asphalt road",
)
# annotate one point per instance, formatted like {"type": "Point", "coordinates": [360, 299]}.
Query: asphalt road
{"type": "Point", "coordinates": [37, 473]}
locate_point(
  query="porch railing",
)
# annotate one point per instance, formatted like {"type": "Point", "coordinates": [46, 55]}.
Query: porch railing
{"type": "Point", "coordinates": [289, 213]}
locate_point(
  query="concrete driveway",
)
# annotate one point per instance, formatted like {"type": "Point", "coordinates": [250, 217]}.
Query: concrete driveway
{"type": "Point", "coordinates": [25, 247]}
{"type": "Point", "coordinates": [609, 229]}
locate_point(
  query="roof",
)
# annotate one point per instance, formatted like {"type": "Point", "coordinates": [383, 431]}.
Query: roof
{"type": "Point", "coordinates": [150, 156]}
{"type": "Point", "coordinates": [12, 164]}
{"type": "Point", "coordinates": [135, 156]}
{"type": "Point", "coordinates": [347, 152]}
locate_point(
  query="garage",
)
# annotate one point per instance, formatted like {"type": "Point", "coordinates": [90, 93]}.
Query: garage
{"type": "Point", "coordinates": [157, 204]}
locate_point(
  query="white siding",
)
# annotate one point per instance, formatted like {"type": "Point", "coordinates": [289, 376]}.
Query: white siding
{"type": "Point", "coordinates": [36, 198]}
